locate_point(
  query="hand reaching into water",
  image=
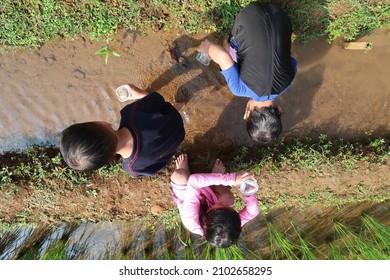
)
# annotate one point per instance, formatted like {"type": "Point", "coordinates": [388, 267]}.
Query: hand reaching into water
{"type": "Point", "coordinates": [204, 47]}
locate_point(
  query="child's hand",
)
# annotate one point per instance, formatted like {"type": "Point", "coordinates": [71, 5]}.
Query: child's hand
{"type": "Point", "coordinates": [204, 47]}
{"type": "Point", "coordinates": [242, 176]}
{"type": "Point", "coordinates": [137, 93]}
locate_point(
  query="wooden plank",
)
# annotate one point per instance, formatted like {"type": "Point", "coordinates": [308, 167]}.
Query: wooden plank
{"type": "Point", "coordinates": [358, 46]}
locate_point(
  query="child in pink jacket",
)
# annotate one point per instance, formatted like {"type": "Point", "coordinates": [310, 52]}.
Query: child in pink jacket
{"type": "Point", "coordinates": [205, 202]}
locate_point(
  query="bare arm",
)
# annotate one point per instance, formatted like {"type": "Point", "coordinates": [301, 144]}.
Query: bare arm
{"type": "Point", "coordinates": [217, 53]}
{"type": "Point", "coordinates": [137, 93]}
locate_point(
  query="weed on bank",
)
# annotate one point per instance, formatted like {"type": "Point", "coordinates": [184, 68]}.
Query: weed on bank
{"type": "Point", "coordinates": [31, 23]}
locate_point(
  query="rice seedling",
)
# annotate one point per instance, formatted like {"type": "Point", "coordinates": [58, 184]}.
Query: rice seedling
{"type": "Point", "coordinates": [56, 251]}
{"type": "Point", "coordinates": [231, 253]}
{"type": "Point", "coordinates": [281, 246]}
{"type": "Point", "coordinates": [370, 241]}
{"type": "Point", "coordinates": [357, 247]}
{"type": "Point", "coordinates": [305, 248]}
{"type": "Point", "coordinates": [378, 233]}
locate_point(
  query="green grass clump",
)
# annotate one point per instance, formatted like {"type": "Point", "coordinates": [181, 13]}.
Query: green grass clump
{"type": "Point", "coordinates": [318, 155]}
{"type": "Point", "coordinates": [231, 253]}
{"type": "Point", "coordinates": [281, 247]}
{"type": "Point", "coordinates": [31, 23]}
{"type": "Point", "coordinates": [378, 232]}
{"type": "Point", "coordinates": [57, 251]}
{"type": "Point", "coordinates": [350, 18]}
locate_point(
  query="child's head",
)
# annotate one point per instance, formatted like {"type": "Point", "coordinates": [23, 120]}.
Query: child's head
{"type": "Point", "coordinates": [88, 146]}
{"type": "Point", "coordinates": [222, 227]}
{"type": "Point", "coordinates": [264, 125]}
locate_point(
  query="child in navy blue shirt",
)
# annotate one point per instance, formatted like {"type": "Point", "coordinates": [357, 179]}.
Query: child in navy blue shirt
{"type": "Point", "coordinates": [149, 134]}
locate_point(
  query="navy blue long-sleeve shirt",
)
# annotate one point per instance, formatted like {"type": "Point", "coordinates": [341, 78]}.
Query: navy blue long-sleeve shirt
{"type": "Point", "coordinates": [157, 129]}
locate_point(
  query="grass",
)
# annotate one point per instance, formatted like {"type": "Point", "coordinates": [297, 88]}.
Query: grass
{"type": "Point", "coordinates": [57, 251]}
{"type": "Point", "coordinates": [231, 253]}
{"type": "Point", "coordinates": [377, 231]}
{"type": "Point", "coordinates": [351, 18]}
{"type": "Point", "coordinates": [368, 241]}
{"type": "Point", "coordinates": [32, 23]}
{"type": "Point", "coordinates": [320, 157]}
{"type": "Point", "coordinates": [358, 247]}
{"type": "Point", "coordinates": [281, 247]}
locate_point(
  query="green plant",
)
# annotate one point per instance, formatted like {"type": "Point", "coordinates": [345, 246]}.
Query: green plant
{"type": "Point", "coordinates": [72, 175]}
{"type": "Point", "coordinates": [368, 240]}
{"type": "Point", "coordinates": [57, 251]}
{"type": "Point", "coordinates": [110, 170]}
{"type": "Point", "coordinates": [357, 246]}
{"type": "Point", "coordinates": [349, 18]}
{"type": "Point", "coordinates": [231, 253]}
{"type": "Point", "coordinates": [309, 19]}
{"type": "Point", "coordinates": [241, 160]}
{"type": "Point", "coordinates": [379, 145]}
{"type": "Point", "coordinates": [92, 192]}
{"type": "Point", "coordinates": [5, 175]}
{"type": "Point", "coordinates": [57, 160]}
{"type": "Point", "coordinates": [22, 217]}
{"type": "Point", "coordinates": [281, 247]}
{"type": "Point", "coordinates": [106, 51]}
{"type": "Point", "coordinates": [32, 23]}
{"type": "Point", "coordinates": [377, 231]}
{"type": "Point", "coordinates": [305, 247]}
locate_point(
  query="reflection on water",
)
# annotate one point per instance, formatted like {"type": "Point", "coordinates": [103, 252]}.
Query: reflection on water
{"type": "Point", "coordinates": [313, 233]}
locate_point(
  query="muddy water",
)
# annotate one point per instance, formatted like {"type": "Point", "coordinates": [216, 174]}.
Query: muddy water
{"type": "Point", "coordinates": [337, 92]}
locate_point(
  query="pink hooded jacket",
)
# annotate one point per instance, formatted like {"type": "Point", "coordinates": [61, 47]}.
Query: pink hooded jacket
{"type": "Point", "coordinates": [188, 199]}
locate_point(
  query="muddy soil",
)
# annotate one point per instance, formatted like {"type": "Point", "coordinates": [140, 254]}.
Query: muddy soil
{"type": "Point", "coordinates": [337, 92]}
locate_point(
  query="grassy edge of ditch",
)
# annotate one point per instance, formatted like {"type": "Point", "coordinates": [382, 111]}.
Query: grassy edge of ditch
{"type": "Point", "coordinates": [42, 169]}
{"type": "Point", "coordinates": [32, 23]}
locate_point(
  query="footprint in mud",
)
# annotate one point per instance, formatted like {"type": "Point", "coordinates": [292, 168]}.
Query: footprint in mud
{"type": "Point", "coordinates": [51, 59]}
{"type": "Point", "coordinates": [161, 57]}
{"type": "Point", "coordinates": [21, 61]}
{"type": "Point", "coordinates": [183, 95]}
{"type": "Point", "coordinates": [132, 33]}
{"type": "Point", "coordinates": [79, 74]}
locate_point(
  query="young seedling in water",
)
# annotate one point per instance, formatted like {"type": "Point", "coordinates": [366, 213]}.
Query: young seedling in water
{"type": "Point", "coordinates": [106, 51]}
